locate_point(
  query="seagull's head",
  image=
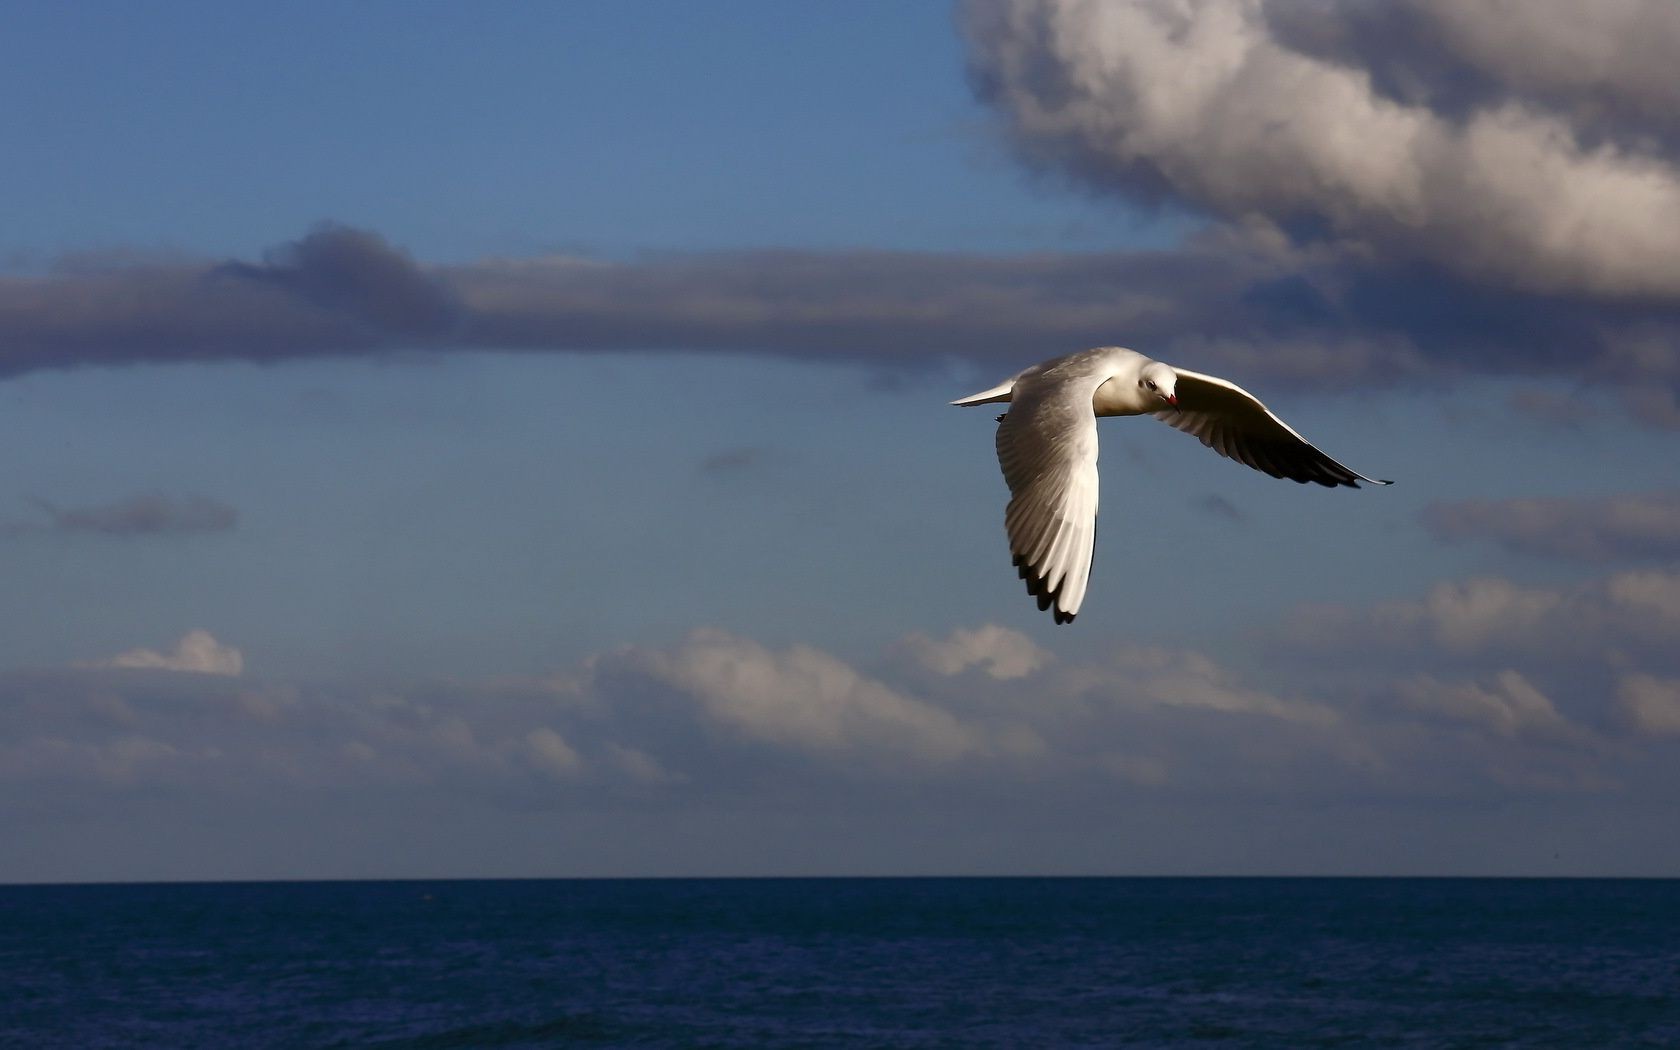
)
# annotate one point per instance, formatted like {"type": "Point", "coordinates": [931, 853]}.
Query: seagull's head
{"type": "Point", "coordinates": [1158, 385]}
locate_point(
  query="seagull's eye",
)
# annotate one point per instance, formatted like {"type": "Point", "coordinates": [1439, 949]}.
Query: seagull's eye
{"type": "Point", "coordinates": [1149, 383]}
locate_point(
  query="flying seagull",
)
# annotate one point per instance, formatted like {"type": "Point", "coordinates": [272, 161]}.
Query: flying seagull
{"type": "Point", "coordinates": [1047, 446]}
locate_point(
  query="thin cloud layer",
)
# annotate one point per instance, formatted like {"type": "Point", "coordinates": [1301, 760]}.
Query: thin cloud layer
{"type": "Point", "coordinates": [1609, 620]}
{"type": "Point", "coordinates": [716, 730]}
{"type": "Point", "coordinates": [342, 291]}
{"type": "Point", "coordinates": [1232, 302]}
{"type": "Point", "coordinates": [1574, 671]}
{"type": "Point", "coordinates": [1627, 526]}
{"type": "Point", "coordinates": [716, 715]}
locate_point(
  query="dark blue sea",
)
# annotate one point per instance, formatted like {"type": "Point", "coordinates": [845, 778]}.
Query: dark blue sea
{"type": "Point", "coordinates": [1220, 963]}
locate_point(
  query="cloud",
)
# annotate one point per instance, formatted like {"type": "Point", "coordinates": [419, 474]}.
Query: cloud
{"type": "Point", "coordinates": [1488, 617]}
{"type": "Point", "coordinates": [198, 652]}
{"type": "Point", "coordinates": [1222, 107]}
{"type": "Point", "coordinates": [1492, 177]}
{"type": "Point", "coordinates": [1632, 525]}
{"type": "Point", "coordinates": [342, 291]}
{"type": "Point", "coordinates": [1233, 301]}
{"type": "Point", "coordinates": [354, 275]}
{"type": "Point", "coordinates": [1509, 705]}
{"type": "Point", "coordinates": [1238, 300]}
{"type": "Point", "coordinates": [997, 652]}
{"type": "Point", "coordinates": [716, 726]}
{"type": "Point", "coordinates": [1189, 679]}
{"type": "Point", "coordinates": [800, 698]}
{"type": "Point", "coordinates": [1650, 703]}
{"type": "Point", "coordinates": [1419, 189]}
{"type": "Point", "coordinates": [1603, 67]}
{"type": "Point", "coordinates": [143, 514]}
{"type": "Point", "coordinates": [712, 714]}
{"type": "Point", "coordinates": [550, 752]}
{"type": "Point", "coordinates": [1549, 687]}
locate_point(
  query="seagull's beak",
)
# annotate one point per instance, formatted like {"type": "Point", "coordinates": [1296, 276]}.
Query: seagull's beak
{"type": "Point", "coordinates": [1172, 399]}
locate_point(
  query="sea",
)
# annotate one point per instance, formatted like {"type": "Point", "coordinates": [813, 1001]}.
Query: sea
{"type": "Point", "coordinates": [915, 962]}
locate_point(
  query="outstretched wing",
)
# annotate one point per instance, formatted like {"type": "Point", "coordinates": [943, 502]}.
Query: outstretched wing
{"type": "Point", "coordinates": [1047, 446]}
{"type": "Point", "coordinates": [1233, 422]}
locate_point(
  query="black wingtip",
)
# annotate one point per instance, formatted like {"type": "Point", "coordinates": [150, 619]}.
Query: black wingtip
{"type": "Point", "coordinates": [1046, 597]}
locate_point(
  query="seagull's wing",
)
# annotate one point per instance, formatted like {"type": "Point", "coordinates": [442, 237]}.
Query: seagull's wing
{"type": "Point", "coordinates": [1233, 422]}
{"type": "Point", "coordinates": [1047, 446]}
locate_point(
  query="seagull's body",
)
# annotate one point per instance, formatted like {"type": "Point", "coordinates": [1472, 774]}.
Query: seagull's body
{"type": "Point", "coordinates": [1047, 446]}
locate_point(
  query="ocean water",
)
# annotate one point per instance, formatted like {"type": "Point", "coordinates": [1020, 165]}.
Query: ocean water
{"type": "Point", "coordinates": [1221, 963]}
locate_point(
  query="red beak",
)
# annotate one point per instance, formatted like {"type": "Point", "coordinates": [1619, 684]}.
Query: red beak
{"type": "Point", "coordinates": [1172, 399]}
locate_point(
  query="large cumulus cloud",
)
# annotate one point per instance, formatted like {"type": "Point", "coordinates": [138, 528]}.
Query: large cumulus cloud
{"type": "Point", "coordinates": [1209, 102]}
{"type": "Point", "coordinates": [1497, 182]}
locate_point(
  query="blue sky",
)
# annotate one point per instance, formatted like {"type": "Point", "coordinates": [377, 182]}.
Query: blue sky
{"type": "Point", "coordinates": [515, 442]}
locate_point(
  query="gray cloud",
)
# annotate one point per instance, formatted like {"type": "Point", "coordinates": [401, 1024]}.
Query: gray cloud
{"type": "Point", "coordinates": [1210, 103]}
{"type": "Point", "coordinates": [718, 715]}
{"type": "Point", "coordinates": [1234, 302]}
{"type": "Point", "coordinates": [974, 734]}
{"type": "Point", "coordinates": [344, 291]}
{"type": "Point", "coordinates": [1395, 191]}
{"type": "Point", "coordinates": [1487, 185]}
{"type": "Point", "coordinates": [1650, 704]}
{"type": "Point", "coordinates": [1632, 525]}
{"type": "Point", "coordinates": [1576, 641]}
{"type": "Point", "coordinates": [1604, 68]}
{"type": "Point", "coordinates": [354, 275]}
{"type": "Point", "coordinates": [143, 514]}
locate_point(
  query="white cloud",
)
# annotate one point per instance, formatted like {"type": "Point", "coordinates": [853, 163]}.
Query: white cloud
{"type": "Point", "coordinates": [1653, 596]}
{"type": "Point", "coordinates": [550, 753]}
{"type": "Point", "coordinates": [1185, 678]}
{"type": "Point", "coordinates": [1590, 529]}
{"type": "Point", "coordinates": [717, 716]}
{"type": "Point", "coordinates": [1470, 615]}
{"type": "Point", "coordinates": [804, 698]}
{"type": "Point", "coordinates": [1650, 703]}
{"type": "Point", "coordinates": [197, 652]}
{"type": "Point", "coordinates": [1491, 616]}
{"type": "Point", "coordinates": [1511, 704]}
{"type": "Point", "coordinates": [997, 652]}
{"type": "Point", "coordinates": [640, 766]}
{"type": "Point", "coordinates": [1202, 100]}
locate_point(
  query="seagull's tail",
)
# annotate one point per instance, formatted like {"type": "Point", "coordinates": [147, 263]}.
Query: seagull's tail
{"type": "Point", "coordinates": [1001, 392]}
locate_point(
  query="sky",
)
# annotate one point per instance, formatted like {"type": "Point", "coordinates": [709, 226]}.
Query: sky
{"type": "Point", "coordinates": [515, 441]}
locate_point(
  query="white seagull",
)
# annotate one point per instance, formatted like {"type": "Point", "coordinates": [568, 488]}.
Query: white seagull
{"type": "Point", "coordinates": [1047, 446]}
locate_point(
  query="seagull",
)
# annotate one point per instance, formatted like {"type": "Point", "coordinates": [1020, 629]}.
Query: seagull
{"type": "Point", "coordinates": [1047, 446]}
